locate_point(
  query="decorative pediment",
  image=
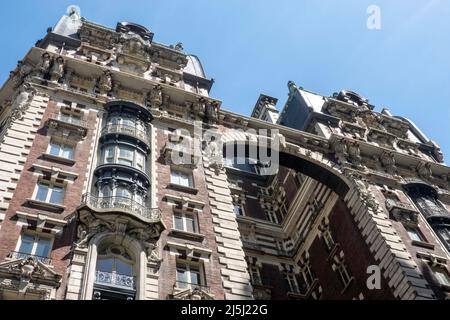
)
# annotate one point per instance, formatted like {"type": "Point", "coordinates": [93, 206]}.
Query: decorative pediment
{"type": "Point", "coordinates": [29, 272]}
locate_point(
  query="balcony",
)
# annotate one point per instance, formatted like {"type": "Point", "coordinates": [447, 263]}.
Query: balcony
{"type": "Point", "coordinates": [402, 212]}
{"type": "Point", "coordinates": [58, 122]}
{"type": "Point", "coordinates": [15, 255]}
{"type": "Point", "coordinates": [122, 204]}
{"type": "Point", "coordinates": [126, 130]}
{"type": "Point", "coordinates": [115, 280]}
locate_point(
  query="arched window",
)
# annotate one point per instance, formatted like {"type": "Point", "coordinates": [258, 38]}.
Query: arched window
{"type": "Point", "coordinates": [115, 274]}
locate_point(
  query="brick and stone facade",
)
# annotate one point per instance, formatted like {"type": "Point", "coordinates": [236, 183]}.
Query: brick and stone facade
{"type": "Point", "coordinates": [338, 202]}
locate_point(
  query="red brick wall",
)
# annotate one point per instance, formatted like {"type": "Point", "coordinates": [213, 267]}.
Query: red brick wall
{"type": "Point", "coordinates": [10, 233]}
{"type": "Point", "coordinates": [168, 265]}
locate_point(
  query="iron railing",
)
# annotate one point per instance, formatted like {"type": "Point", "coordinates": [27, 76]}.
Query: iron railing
{"type": "Point", "coordinates": [122, 204]}
{"type": "Point", "coordinates": [128, 130]}
{"type": "Point", "coordinates": [69, 120]}
{"type": "Point", "coordinates": [115, 279]}
{"type": "Point", "coordinates": [21, 255]}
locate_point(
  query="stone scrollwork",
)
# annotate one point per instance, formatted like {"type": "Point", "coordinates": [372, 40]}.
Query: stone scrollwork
{"type": "Point", "coordinates": [363, 188]}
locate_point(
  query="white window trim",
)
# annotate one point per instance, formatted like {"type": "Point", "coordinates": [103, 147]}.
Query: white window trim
{"type": "Point", "coordinates": [292, 282]}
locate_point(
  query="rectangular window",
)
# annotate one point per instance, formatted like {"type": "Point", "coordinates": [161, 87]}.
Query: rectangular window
{"type": "Point", "coordinates": [442, 276]}
{"type": "Point", "coordinates": [126, 156]}
{"type": "Point", "coordinates": [185, 222]}
{"type": "Point", "coordinates": [189, 275]}
{"type": "Point", "coordinates": [328, 239]}
{"type": "Point", "coordinates": [238, 209]}
{"type": "Point", "coordinates": [181, 178]}
{"type": "Point", "coordinates": [344, 274]}
{"type": "Point", "coordinates": [292, 283]}
{"type": "Point", "coordinates": [48, 192]}
{"type": "Point", "coordinates": [34, 245]}
{"type": "Point", "coordinates": [62, 150]}
{"type": "Point", "coordinates": [255, 275]}
{"type": "Point", "coordinates": [414, 234]}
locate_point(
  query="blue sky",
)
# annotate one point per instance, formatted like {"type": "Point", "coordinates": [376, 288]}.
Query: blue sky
{"type": "Point", "coordinates": [256, 46]}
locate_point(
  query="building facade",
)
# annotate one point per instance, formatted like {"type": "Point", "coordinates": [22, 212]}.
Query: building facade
{"type": "Point", "coordinates": [121, 178]}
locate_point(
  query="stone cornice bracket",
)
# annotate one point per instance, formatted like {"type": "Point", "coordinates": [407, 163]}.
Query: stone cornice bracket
{"type": "Point", "coordinates": [424, 170]}
{"type": "Point", "coordinates": [387, 160]}
{"type": "Point", "coordinates": [22, 102]}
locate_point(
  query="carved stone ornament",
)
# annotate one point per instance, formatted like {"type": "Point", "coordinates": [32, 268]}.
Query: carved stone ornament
{"type": "Point", "coordinates": [105, 83]}
{"type": "Point", "coordinates": [57, 70]}
{"type": "Point", "coordinates": [22, 72]}
{"type": "Point", "coordinates": [43, 67]}
{"type": "Point", "coordinates": [363, 188]}
{"type": "Point", "coordinates": [156, 97]}
{"type": "Point", "coordinates": [388, 161]}
{"type": "Point", "coordinates": [22, 102]}
{"type": "Point", "coordinates": [424, 170]}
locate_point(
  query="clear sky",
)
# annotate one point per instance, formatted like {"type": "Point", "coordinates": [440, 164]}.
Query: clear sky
{"type": "Point", "coordinates": [256, 46]}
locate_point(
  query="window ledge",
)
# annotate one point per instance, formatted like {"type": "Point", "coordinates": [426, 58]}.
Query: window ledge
{"type": "Point", "coordinates": [179, 187]}
{"type": "Point", "coordinates": [422, 244]}
{"type": "Point", "coordinates": [187, 235]}
{"type": "Point", "coordinates": [58, 159]}
{"type": "Point", "coordinates": [46, 205]}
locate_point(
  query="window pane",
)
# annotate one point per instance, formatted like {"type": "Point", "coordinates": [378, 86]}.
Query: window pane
{"type": "Point", "coordinates": [181, 276]}
{"type": "Point", "coordinates": [123, 268]}
{"type": "Point", "coordinates": [190, 224]}
{"type": "Point", "coordinates": [442, 277]}
{"type": "Point", "coordinates": [123, 192]}
{"type": "Point", "coordinates": [57, 195]}
{"type": "Point", "coordinates": [26, 245]}
{"type": "Point", "coordinates": [109, 155]}
{"type": "Point", "coordinates": [54, 149]}
{"type": "Point", "coordinates": [43, 247]}
{"type": "Point", "coordinates": [178, 222]}
{"type": "Point", "coordinates": [414, 234]}
{"type": "Point", "coordinates": [67, 152]}
{"type": "Point", "coordinates": [41, 194]}
{"type": "Point", "coordinates": [105, 265]}
{"type": "Point", "coordinates": [174, 177]}
{"type": "Point", "coordinates": [195, 276]}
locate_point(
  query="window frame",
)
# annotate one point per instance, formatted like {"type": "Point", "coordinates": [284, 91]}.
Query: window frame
{"type": "Point", "coordinates": [49, 193]}
{"type": "Point", "coordinates": [292, 282]}
{"type": "Point", "coordinates": [61, 145]}
{"type": "Point", "coordinates": [184, 219]}
{"type": "Point", "coordinates": [115, 157]}
{"type": "Point", "coordinates": [35, 236]}
{"type": "Point", "coordinates": [189, 175]}
{"type": "Point", "coordinates": [188, 266]}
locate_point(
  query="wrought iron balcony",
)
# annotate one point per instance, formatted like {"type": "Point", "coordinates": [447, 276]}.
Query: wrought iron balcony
{"type": "Point", "coordinates": [124, 204]}
{"type": "Point", "coordinates": [115, 280]}
{"type": "Point", "coordinates": [21, 255]}
{"type": "Point", "coordinates": [181, 285]}
{"type": "Point", "coordinates": [69, 120]}
{"type": "Point", "coordinates": [127, 130]}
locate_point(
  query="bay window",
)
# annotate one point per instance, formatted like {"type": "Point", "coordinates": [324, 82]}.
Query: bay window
{"type": "Point", "coordinates": [125, 155]}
